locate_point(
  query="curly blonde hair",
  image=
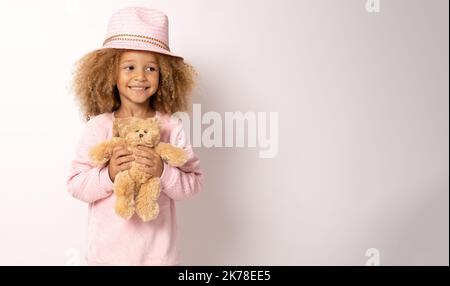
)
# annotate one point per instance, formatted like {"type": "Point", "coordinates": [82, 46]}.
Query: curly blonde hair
{"type": "Point", "coordinates": [96, 90]}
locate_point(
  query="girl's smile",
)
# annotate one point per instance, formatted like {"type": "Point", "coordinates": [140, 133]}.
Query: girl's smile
{"type": "Point", "coordinates": [140, 90]}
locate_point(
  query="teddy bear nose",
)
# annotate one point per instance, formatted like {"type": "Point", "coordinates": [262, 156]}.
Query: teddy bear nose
{"type": "Point", "coordinates": [141, 135]}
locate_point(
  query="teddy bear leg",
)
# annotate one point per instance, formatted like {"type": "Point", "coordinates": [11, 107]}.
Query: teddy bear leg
{"type": "Point", "coordinates": [146, 206]}
{"type": "Point", "coordinates": [124, 188]}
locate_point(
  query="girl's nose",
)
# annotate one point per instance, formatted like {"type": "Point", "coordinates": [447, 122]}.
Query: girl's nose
{"type": "Point", "coordinates": [141, 135]}
{"type": "Point", "coordinates": [139, 76]}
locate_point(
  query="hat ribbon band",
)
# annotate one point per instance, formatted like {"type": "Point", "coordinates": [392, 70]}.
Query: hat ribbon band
{"type": "Point", "coordinates": [137, 38]}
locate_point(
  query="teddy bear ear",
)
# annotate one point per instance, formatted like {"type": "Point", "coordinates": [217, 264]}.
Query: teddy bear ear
{"type": "Point", "coordinates": [119, 125]}
{"type": "Point", "coordinates": [155, 120]}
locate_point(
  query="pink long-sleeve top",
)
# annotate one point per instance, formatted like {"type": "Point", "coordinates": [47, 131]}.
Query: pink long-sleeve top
{"type": "Point", "coordinates": [113, 240]}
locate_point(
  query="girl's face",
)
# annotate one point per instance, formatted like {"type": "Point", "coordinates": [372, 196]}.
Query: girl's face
{"type": "Point", "coordinates": [138, 76]}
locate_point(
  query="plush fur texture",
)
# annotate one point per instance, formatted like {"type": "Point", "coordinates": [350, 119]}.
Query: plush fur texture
{"type": "Point", "coordinates": [136, 191]}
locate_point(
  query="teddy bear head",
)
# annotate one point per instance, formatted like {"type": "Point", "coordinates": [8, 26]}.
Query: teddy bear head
{"type": "Point", "coordinates": [137, 130]}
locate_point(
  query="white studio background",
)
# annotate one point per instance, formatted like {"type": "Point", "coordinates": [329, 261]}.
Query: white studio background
{"type": "Point", "coordinates": [362, 100]}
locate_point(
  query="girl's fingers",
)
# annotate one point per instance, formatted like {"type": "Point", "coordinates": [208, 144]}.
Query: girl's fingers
{"type": "Point", "coordinates": [124, 167]}
{"type": "Point", "coordinates": [144, 161]}
{"type": "Point", "coordinates": [142, 167]}
{"type": "Point", "coordinates": [122, 152]}
{"type": "Point", "coordinates": [125, 159]}
{"type": "Point", "coordinates": [145, 157]}
{"type": "Point", "coordinates": [144, 154]}
{"type": "Point", "coordinates": [147, 154]}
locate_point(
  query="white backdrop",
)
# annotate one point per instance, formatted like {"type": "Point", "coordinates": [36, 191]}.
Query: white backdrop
{"type": "Point", "coordinates": [361, 173]}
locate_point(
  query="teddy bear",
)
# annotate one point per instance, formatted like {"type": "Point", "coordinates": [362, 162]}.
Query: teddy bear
{"type": "Point", "coordinates": [136, 191]}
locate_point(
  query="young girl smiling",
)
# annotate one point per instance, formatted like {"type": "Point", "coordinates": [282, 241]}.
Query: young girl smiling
{"type": "Point", "coordinates": [134, 75]}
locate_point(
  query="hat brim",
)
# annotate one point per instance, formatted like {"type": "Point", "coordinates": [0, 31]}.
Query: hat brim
{"type": "Point", "coordinates": [139, 46]}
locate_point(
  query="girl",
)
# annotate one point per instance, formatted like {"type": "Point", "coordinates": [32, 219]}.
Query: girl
{"type": "Point", "coordinates": [134, 74]}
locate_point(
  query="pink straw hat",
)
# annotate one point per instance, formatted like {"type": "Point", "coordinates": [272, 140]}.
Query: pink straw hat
{"type": "Point", "coordinates": [138, 28]}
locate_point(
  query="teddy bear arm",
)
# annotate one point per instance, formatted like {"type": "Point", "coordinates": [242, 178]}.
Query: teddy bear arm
{"type": "Point", "coordinates": [174, 156]}
{"type": "Point", "coordinates": [101, 153]}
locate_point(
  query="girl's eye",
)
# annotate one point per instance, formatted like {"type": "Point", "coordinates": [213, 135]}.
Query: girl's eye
{"type": "Point", "coordinates": [130, 68]}
{"type": "Point", "coordinates": [151, 69]}
{"type": "Point", "coordinates": [145, 131]}
{"type": "Point", "coordinates": [137, 130]}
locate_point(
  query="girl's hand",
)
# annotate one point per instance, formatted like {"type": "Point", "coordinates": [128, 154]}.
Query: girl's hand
{"type": "Point", "coordinates": [148, 161]}
{"type": "Point", "coordinates": [120, 161]}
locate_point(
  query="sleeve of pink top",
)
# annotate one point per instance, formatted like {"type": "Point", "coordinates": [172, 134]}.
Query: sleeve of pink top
{"type": "Point", "coordinates": [87, 182]}
{"type": "Point", "coordinates": [181, 183]}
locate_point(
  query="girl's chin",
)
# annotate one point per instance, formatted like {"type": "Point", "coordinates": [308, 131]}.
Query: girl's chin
{"type": "Point", "coordinates": [139, 98]}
